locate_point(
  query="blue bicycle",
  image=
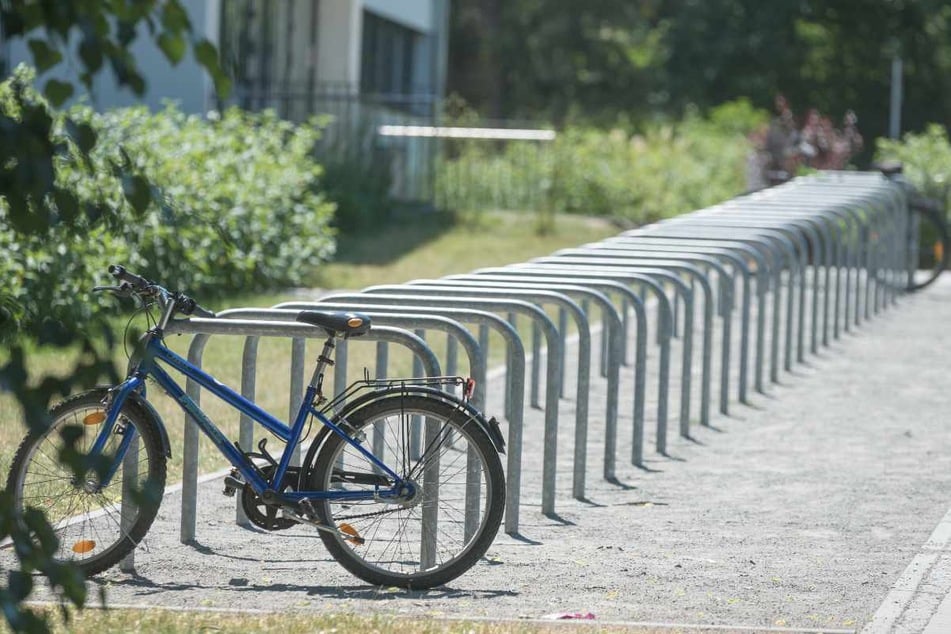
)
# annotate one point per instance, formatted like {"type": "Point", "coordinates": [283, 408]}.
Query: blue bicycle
{"type": "Point", "coordinates": [402, 480]}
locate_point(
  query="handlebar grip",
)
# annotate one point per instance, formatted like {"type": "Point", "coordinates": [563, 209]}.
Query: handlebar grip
{"type": "Point", "coordinates": [120, 273]}
{"type": "Point", "coordinates": [188, 306]}
{"type": "Point", "coordinates": [927, 204]}
{"type": "Point", "coordinates": [202, 312]}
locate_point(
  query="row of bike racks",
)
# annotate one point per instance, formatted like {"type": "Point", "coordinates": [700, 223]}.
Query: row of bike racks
{"type": "Point", "coordinates": [742, 292]}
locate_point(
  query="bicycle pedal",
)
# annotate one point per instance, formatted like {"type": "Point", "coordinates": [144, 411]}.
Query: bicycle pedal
{"type": "Point", "coordinates": [232, 484]}
{"type": "Point", "coordinates": [350, 534]}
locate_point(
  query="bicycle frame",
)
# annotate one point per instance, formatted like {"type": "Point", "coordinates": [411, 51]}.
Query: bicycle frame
{"type": "Point", "coordinates": [155, 351]}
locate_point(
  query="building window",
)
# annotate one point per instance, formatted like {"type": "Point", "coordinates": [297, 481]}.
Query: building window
{"type": "Point", "coordinates": [388, 57]}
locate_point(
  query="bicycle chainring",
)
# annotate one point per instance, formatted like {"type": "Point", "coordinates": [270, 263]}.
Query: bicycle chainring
{"type": "Point", "coordinates": [263, 515]}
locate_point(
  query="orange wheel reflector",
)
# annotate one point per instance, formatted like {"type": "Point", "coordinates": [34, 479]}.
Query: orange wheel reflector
{"type": "Point", "coordinates": [354, 536]}
{"type": "Point", "coordinates": [354, 322]}
{"type": "Point", "coordinates": [95, 418]}
{"type": "Point", "coordinates": [83, 546]}
{"type": "Point", "coordinates": [939, 252]}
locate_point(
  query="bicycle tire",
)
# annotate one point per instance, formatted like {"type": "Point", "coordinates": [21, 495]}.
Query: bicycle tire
{"type": "Point", "coordinates": [89, 526]}
{"type": "Point", "coordinates": [934, 246]}
{"type": "Point", "coordinates": [399, 546]}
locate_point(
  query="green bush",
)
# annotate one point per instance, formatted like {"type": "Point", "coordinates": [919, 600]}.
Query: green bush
{"type": "Point", "coordinates": [668, 169]}
{"type": "Point", "coordinates": [360, 190]}
{"type": "Point", "coordinates": [926, 157]}
{"type": "Point", "coordinates": [242, 210]}
{"type": "Point", "coordinates": [234, 205]}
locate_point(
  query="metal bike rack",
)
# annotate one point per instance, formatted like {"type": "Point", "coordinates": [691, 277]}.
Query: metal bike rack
{"type": "Point", "coordinates": [687, 251]}
{"type": "Point", "coordinates": [767, 256]}
{"type": "Point", "coordinates": [886, 222]}
{"type": "Point", "coordinates": [512, 278]}
{"type": "Point", "coordinates": [615, 356]}
{"type": "Point", "coordinates": [650, 279]}
{"type": "Point", "coordinates": [477, 361]}
{"type": "Point", "coordinates": [786, 251]}
{"type": "Point", "coordinates": [813, 258]}
{"type": "Point", "coordinates": [689, 265]}
{"type": "Point", "coordinates": [797, 249]}
{"type": "Point", "coordinates": [737, 257]}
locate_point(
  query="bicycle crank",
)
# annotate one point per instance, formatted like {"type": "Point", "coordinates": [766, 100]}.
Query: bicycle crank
{"type": "Point", "coordinates": [345, 531]}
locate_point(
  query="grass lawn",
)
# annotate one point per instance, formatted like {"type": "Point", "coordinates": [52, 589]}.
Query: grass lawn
{"type": "Point", "coordinates": [432, 246]}
{"type": "Point", "coordinates": [94, 621]}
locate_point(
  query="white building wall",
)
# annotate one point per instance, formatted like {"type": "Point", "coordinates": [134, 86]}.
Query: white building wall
{"type": "Point", "coordinates": [187, 83]}
{"type": "Point", "coordinates": [339, 45]}
{"type": "Point", "coordinates": [338, 41]}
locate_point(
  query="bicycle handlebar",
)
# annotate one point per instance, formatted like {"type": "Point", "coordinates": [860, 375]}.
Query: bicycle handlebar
{"type": "Point", "coordinates": [132, 284]}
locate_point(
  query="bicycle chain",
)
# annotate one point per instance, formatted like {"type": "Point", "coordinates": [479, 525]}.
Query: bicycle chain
{"type": "Point", "coordinates": [362, 515]}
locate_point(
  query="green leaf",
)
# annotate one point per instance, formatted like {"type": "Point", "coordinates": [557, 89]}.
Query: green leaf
{"type": "Point", "coordinates": [44, 56]}
{"type": "Point", "coordinates": [125, 32]}
{"type": "Point", "coordinates": [174, 17]}
{"type": "Point", "coordinates": [66, 204]}
{"type": "Point", "coordinates": [91, 54]}
{"type": "Point", "coordinates": [173, 45]}
{"type": "Point", "coordinates": [222, 85]}
{"type": "Point", "coordinates": [206, 54]}
{"type": "Point", "coordinates": [82, 134]}
{"type": "Point", "coordinates": [58, 91]}
{"type": "Point", "coordinates": [138, 191]}
{"type": "Point", "coordinates": [126, 72]}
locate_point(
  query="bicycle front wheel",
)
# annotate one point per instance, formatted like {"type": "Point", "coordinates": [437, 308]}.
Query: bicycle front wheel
{"type": "Point", "coordinates": [96, 525]}
{"type": "Point", "coordinates": [440, 532]}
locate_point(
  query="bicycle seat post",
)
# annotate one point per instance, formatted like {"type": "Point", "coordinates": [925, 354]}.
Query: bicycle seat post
{"type": "Point", "coordinates": [325, 359]}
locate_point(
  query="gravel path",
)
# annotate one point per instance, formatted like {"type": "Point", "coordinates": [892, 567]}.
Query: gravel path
{"type": "Point", "coordinates": [799, 511]}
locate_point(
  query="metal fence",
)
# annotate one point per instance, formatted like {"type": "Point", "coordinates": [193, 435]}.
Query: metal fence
{"type": "Point", "coordinates": [404, 141]}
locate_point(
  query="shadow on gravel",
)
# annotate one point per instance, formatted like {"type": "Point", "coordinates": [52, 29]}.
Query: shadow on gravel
{"type": "Point", "coordinates": [590, 502]}
{"type": "Point", "coordinates": [526, 540]}
{"type": "Point", "coordinates": [146, 586]}
{"type": "Point", "coordinates": [558, 518]}
{"type": "Point", "coordinates": [201, 549]}
{"type": "Point", "coordinates": [375, 593]}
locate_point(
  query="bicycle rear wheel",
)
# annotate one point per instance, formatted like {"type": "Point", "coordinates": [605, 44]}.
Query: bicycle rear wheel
{"type": "Point", "coordinates": [446, 527]}
{"type": "Point", "coordinates": [96, 526]}
{"type": "Point", "coordinates": [930, 233]}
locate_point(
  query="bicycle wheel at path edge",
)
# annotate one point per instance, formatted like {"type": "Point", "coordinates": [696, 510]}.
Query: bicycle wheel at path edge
{"type": "Point", "coordinates": [88, 520]}
{"type": "Point", "coordinates": [446, 528]}
{"type": "Point", "coordinates": [933, 242]}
